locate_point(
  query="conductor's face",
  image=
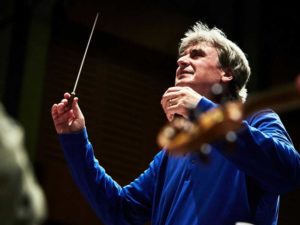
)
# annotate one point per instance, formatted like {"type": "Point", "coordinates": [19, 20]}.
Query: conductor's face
{"type": "Point", "coordinates": [199, 68]}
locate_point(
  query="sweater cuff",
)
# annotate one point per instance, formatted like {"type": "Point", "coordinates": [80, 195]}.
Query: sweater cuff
{"type": "Point", "coordinates": [205, 105]}
{"type": "Point", "coordinates": [74, 140]}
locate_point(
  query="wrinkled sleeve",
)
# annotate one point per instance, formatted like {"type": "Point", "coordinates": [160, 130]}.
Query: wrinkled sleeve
{"type": "Point", "coordinates": [263, 150]}
{"type": "Point", "coordinates": [204, 105]}
{"type": "Point", "coordinates": [111, 202]}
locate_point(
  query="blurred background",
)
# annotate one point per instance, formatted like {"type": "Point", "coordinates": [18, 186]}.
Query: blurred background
{"type": "Point", "coordinates": [130, 63]}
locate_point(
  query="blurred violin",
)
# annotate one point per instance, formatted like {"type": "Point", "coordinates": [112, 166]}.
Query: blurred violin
{"type": "Point", "coordinates": [181, 135]}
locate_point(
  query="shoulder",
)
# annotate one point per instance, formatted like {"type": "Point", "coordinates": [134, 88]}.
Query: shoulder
{"type": "Point", "coordinates": [262, 116]}
{"type": "Point", "coordinates": [268, 121]}
{"type": "Point", "coordinates": [159, 157]}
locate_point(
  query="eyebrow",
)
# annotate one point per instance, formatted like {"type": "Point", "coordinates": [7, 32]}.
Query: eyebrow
{"type": "Point", "coordinates": [198, 49]}
{"type": "Point", "coordinates": [193, 49]}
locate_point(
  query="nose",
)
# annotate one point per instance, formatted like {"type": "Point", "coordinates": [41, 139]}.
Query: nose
{"type": "Point", "coordinates": [183, 61]}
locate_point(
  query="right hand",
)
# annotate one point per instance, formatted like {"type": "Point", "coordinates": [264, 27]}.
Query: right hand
{"type": "Point", "coordinates": [67, 121]}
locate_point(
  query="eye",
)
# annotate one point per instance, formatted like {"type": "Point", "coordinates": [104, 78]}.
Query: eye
{"type": "Point", "coordinates": [195, 53]}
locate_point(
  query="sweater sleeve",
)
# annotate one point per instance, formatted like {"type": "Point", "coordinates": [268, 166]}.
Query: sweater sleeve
{"type": "Point", "coordinates": [111, 202]}
{"type": "Point", "coordinates": [204, 105]}
{"type": "Point", "coordinates": [265, 152]}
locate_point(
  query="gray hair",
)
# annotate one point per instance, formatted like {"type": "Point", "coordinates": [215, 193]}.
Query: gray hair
{"type": "Point", "coordinates": [230, 55]}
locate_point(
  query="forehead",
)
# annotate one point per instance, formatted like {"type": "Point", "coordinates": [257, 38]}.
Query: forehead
{"type": "Point", "coordinates": [204, 46]}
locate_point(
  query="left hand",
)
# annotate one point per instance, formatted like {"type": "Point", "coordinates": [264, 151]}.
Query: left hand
{"type": "Point", "coordinates": [178, 100]}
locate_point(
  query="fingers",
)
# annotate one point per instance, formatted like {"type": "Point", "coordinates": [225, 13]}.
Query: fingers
{"type": "Point", "coordinates": [177, 109]}
{"type": "Point", "coordinates": [76, 110]}
{"type": "Point", "coordinates": [64, 118]}
{"type": "Point", "coordinates": [174, 92]}
{"type": "Point", "coordinates": [67, 95]}
{"type": "Point", "coordinates": [169, 98]}
{"type": "Point", "coordinates": [178, 100]}
{"type": "Point", "coordinates": [58, 109]}
{"type": "Point", "coordinates": [59, 113]}
{"type": "Point", "coordinates": [54, 111]}
{"type": "Point", "coordinates": [172, 101]}
{"type": "Point", "coordinates": [170, 117]}
{"type": "Point", "coordinates": [61, 107]}
{"type": "Point", "coordinates": [174, 106]}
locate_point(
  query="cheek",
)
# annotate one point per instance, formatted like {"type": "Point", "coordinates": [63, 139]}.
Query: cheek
{"type": "Point", "coordinates": [209, 73]}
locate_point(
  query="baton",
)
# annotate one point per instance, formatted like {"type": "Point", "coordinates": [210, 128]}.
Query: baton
{"type": "Point", "coordinates": [70, 100]}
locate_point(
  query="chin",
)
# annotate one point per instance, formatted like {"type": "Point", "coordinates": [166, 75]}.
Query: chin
{"type": "Point", "coordinates": [181, 84]}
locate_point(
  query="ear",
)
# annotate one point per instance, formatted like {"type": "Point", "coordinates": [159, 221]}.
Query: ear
{"type": "Point", "coordinates": [226, 76]}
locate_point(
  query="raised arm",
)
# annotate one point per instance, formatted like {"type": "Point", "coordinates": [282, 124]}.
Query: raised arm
{"type": "Point", "coordinates": [112, 203]}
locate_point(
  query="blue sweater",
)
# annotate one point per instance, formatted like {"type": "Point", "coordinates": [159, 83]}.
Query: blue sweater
{"type": "Point", "coordinates": [240, 184]}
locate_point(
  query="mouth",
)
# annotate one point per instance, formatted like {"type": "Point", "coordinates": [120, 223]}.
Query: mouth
{"type": "Point", "coordinates": [184, 74]}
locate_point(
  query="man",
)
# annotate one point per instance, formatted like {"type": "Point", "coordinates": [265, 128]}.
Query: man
{"type": "Point", "coordinates": [237, 186]}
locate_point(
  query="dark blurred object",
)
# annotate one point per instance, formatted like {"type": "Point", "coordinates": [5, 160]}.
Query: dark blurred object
{"type": "Point", "coordinates": [21, 198]}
